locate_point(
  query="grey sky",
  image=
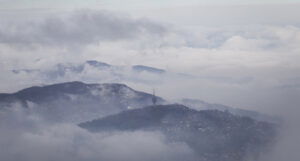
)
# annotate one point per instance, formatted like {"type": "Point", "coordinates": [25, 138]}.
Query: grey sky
{"type": "Point", "coordinates": [79, 28]}
{"type": "Point", "coordinates": [144, 4]}
{"type": "Point", "coordinates": [129, 4]}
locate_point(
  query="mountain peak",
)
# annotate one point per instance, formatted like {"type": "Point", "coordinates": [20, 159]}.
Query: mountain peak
{"type": "Point", "coordinates": [97, 64]}
{"type": "Point", "coordinates": [142, 68]}
{"type": "Point", "coordinates": [81, 101]}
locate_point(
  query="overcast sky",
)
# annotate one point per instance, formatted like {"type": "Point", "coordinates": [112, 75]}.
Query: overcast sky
{"type": "Point", "coordinates": [247, 52]}
{"type": "Point", "coordinates": [120, 4]}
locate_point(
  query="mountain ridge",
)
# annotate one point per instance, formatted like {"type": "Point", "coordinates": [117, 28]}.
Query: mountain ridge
{"type": "Point", "coordinates": [77, 98]}
{"type": "Point", "coordinates": [214, 135]}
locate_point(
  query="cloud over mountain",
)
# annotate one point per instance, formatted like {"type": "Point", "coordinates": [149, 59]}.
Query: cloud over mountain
{"type": "Point", "coordinates": [79, 28]}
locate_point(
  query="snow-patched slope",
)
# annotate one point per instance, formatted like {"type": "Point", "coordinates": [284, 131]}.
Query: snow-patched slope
{"type": "Point", "coordinates": [213, 135]}
{"type": "Point", "coordinates": [202, 105]}
{"type": "Point", "coordinates": [77, 101]}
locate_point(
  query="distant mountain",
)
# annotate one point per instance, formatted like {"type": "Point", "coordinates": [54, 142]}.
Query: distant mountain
{"type": "Point", "coordinates": [63, 70]}
{"type": "Point", "coordinates": [142, 68]}
{"type": "Point", "coordinates": [98, 64]}
{"type": "Point", "coordinates": [202, 105]}
{"type": "Point", "coordinates": [77, 101]}
{"type": "Point", "coordinates": [213, 135]}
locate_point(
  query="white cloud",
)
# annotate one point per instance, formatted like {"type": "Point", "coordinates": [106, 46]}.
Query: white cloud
{"type": "Point", "coordinates": [79, 28]}
{"type": "Point", "coordinates": [229, 62]}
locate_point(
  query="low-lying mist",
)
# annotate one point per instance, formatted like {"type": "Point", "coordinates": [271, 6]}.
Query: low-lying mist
{"type": "Point", "coordinates": [288, 143]}
{"type": "Point", "coordinates": [28, 137]}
